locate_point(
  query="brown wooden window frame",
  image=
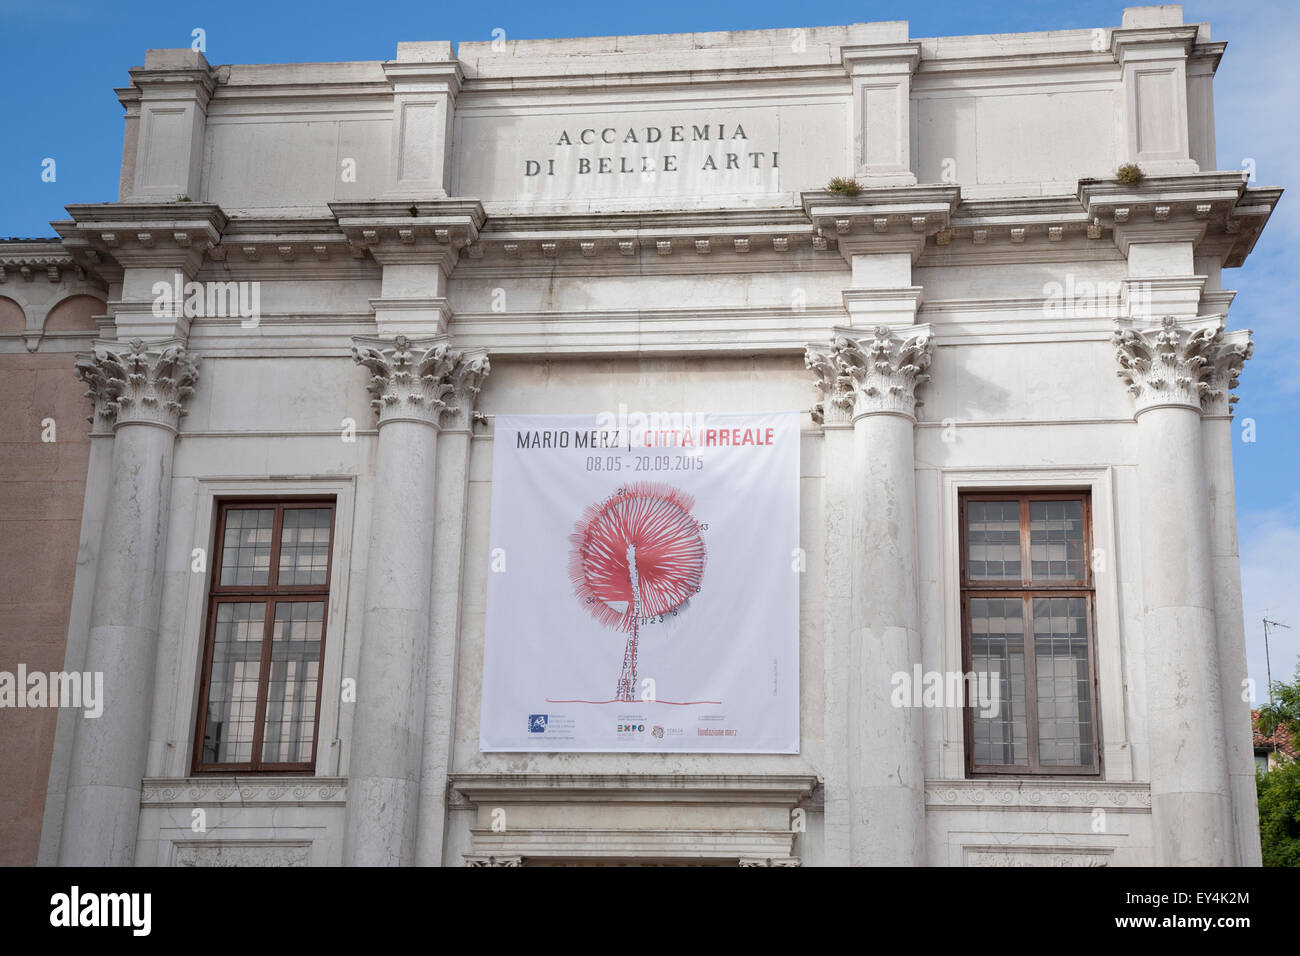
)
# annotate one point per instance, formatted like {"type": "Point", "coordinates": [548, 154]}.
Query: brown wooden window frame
{"type": "Point", "coordinates": [272, 593]}
{"type": "Point", "coordinates": [1027, 589]}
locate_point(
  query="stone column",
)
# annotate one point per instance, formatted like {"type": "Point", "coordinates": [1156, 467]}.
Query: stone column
{"type": "Point", "coordinates": [1216, 432]}
{"type": "Point", "coordinates": [143, 389]}
{"type": "Point", "coordinates": [875, 380]}
{"type": "Point", "coordinates": [412, 383]}
{"type": "Point", "coordinates": [1167, 369]}
{"type": "Point", "coordinates": [452, 483]}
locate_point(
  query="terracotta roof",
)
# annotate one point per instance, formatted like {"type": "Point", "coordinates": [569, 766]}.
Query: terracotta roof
{"type": "Point", "coordinates": [1264, 742]}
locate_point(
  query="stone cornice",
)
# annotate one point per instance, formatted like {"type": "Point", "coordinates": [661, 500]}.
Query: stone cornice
{"type": "Point", "coordinates": [307, 247]}
{"type": "Point", "coordinates": [411, 231]}
{"type": "Point", "coordinates": [779, 78]}
{"type": "Point", "coordinates": [421, 380]}
{"type": "Point", "coordinates": [1205, 57]}
{"type": "Point", "coordinates": [171, 235]}
{"type": "Point", "coordinates": [875, 375]}
{"type": "Point", "coordinates": [1215, 209]}
{"type": "Point", "coordinates": [740, 789]}
{"type": "Point", "coordinates": [198, 80]}
{"type": "Point", "coordinates": [27, 259]}
{"type": "Point", "coordinates": [139, 383]}
{"type": "Point", "coordinates": [871, 58]}
{"type": "Point", "coordinates": [882, 218]}
{"type": "Point", "coordinates": [715, 233]}
{"type": "Point", "coordinates": [1126, 43]}
{"type": "Point", "coordinates": [444, 74]}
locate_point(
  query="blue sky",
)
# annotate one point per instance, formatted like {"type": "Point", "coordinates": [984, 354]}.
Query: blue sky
{"type": "Point", "coordinates": [61, 60]}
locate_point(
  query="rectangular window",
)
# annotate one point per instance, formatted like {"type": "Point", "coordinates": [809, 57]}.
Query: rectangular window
{"type": "Point", "coordinates": [1027, 623]}
{"type": "Point", "coordinates": [259, 699]}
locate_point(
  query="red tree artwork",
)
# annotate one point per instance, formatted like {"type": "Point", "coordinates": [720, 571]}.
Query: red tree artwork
{"type": "Point", "coordinates": [636, 555]}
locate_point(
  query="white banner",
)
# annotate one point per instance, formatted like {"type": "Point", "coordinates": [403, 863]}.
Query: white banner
{"type": "Point", "coordinates": [643, 593]}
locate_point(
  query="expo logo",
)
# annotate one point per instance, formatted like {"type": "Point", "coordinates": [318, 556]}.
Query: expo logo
{"type": "Point", "coordinates": [631, 728]}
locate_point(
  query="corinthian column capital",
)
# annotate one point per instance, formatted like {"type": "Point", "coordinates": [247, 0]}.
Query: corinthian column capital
{"type": "Point", "coordinates": [1194, 365]}
{"type": "Point", "coordinates": [420, 380]}
{"type": "Point", "coordinates": [466, 378]}
{"type": "Point", "coordinates": [879, 375]}
{"type": "Point", "coordinates": [140, 383]}
{"type": "Point", "coordinates": [1234, 350]}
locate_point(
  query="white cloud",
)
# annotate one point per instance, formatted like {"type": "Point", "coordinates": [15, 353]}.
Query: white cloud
{"type": "Point", "coordinates": [1270, 559]}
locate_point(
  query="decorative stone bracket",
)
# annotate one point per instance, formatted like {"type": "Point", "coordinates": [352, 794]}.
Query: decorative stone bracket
{"type": "Point", "coordinates": [879, 375]}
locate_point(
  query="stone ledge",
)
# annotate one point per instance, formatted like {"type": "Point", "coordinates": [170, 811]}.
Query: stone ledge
{"type": "Point", "coordinates": [1018, 794]}
{"type": "Point", "coordinates": [738, 789]}
{"type": "Point", "coordinates": [593, 845]}
{"type": "Point", "coordinates": [222, 791]}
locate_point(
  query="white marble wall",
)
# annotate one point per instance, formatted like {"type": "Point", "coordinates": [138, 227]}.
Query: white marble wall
{"type": "Point", "coordinates": [701, 297]}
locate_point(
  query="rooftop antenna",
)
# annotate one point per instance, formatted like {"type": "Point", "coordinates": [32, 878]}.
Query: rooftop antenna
{"type": "Point", "coordinates": [1268, 668]}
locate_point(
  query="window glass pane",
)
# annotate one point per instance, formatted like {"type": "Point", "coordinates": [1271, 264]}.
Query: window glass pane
{"type": "Point", "coordinates": [997, 635]}
{"type": "Point", "coordinates": [295, 672]}
{"type": "Point", "coordinates": [1056, 540]}
{"type": "Point", "coordinates": [232, 688]}
{"type": "Point", "coordinates": [246, 547]}
{"type": "Point", "coordinates": [993, 540]}
{"type": "Point", "coordinates": [1064, 687]}
{"type": "Point", "coordinates": [304, 546]}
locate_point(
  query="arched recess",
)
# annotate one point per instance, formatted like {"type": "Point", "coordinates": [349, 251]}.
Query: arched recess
{"type": "Point", "coordinates": [75, 314]}
{"type": "Point", "coordinates": [12, 317]}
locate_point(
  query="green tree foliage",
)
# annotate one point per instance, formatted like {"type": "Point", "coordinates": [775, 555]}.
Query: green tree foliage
{"type": "Point", "coordinates": [1284, 712]}
{"type": "Point", "coordinates": [1278, 790]}
{"type": "Point", "coordinates": [1279, 814]}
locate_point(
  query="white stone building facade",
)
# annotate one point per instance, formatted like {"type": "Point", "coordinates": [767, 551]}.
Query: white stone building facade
{"type": "Point", "coordinates": [993, 327]}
